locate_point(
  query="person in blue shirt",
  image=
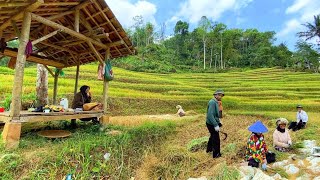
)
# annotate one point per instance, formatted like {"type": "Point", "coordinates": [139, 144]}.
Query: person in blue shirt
{"type": "Point", "coordinates": [213, 124]}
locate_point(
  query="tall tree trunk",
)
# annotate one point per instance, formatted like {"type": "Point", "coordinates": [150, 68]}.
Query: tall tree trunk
{"type": "Point", "coordinates": [204, 54]}
{"type": "Point", "coordinates": [211, 58]}
{"type": "Point", "coordinates": [221, 52]}
{"type": "Point", "coordinates": [42, 85]}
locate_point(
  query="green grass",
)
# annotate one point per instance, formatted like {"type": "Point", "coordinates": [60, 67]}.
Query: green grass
{"type": "Point", "coordinates": [82, 153]}
{"type": "Point", "coordinates": [248, 92]}
{"type": "Point", "coordinates": [267, 92]}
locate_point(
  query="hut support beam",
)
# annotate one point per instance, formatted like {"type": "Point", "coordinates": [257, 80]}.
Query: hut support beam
{"type": "Point", "coordinates": [106, 87]}
{"type": "Point", "coordinates": [73, 121]}
{"type": "Point", "coordinates": [12, 130]}
{"type": "Point", "coordinates": [49, 70]}
{"type": "Point", "coordinates": [55, 86]}
{"type": "Point", "coordinates": [15, 27]}
{"type": "Point", "coordinates": [105, 118]}
{"type": "Point", "coordinates": [30, 8]}
{"type": "Point", "coordinates": [96, 53]}
{"type": "Point", "coordinates": [11, 134]}
{"type": "Point", "coordinates": [45, 37]}
{"type": "Point", "coordinates": [19, 70]}
{"type": "Point", "coordinates": [67, 30]}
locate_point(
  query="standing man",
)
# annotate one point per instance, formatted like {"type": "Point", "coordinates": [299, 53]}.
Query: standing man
{"type": "Point", "coordinates": [302, 119]}
{"type": "Point", "coordinates": [213, 124]}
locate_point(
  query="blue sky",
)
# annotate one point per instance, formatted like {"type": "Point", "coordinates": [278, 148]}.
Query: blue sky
{"type": "Point", "coordinates": [282, 16]}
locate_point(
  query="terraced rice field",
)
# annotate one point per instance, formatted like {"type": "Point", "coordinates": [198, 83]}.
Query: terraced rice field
{"type": "Point", "coordinates": [267, 91]}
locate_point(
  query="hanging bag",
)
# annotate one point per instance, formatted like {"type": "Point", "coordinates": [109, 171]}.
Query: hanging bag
{"type": "Point", "coordinates": [108, 74]}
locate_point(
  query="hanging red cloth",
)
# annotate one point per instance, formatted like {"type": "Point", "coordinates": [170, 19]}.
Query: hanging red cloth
{"type": "Point", "coordinates": [28, 49]}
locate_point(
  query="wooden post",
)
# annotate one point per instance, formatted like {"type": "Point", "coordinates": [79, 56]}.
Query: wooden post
{"type": "Point", "coordinates": [77, 80]}
{"type": "Point", "coordinates": [76, 28]}
{"type": "Point", "coordinates": [12, 130]}
{"type": "Point", "coordinates": [55, 86]}
{"type": "Point", "coordinates": [106, 87]}
{"type": "Point", "coordinates": [19, 70]}
{"type": "Point", "coordinates": [11, 134]}
{"type": "Point", "coordinates": [105, 118]}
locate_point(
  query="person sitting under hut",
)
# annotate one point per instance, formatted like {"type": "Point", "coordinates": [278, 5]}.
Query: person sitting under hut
{"type": "Point", "coordinates": [256, 149]}
{"type": "Point", "coordinates": [302, 119]}
{"type": "Point", "coordinates": [82, 100]}
{"type": "Point", "coordinates": [180, 111]}
{"type": "Point", "coordinates": [281, 137]}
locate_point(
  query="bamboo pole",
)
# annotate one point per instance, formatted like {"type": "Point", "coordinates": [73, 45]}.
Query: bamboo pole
{"type": "Point", "coordinates": [45, 37]}
{"type": "Point", "coordinates": [106, 87]}
{"type": "Point", "coordinates": [34, 58]}
{"type": "Point", "coordinates": [13, 4]}
{"type": "Point", "coordinates": [15, 27]}
{"type": "Point", "coordinates": [77, 79]}
{"type": "Point", "coordinates": [49, 70]}
{"type": "Point", "coordinates": [60, 3]}
{"type": "Point", "coordinates": [96, 53]}
{"type": "Point", "coordinates": [77, 20]}
{"type": "Point", "coordinates": [67, 30]}
{"type": "Point", "coordinates": [30, 8]}
{"type": "Point", "coordinates": [55, 86]}
{"type": "Point", "coordinates": [19, 70]}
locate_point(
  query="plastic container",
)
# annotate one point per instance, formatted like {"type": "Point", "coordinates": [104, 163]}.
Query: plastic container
{"type": "Point", "coordinates": [64, 102]}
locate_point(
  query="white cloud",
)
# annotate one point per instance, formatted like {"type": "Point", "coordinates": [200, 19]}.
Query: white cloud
{"type": "Point", "coordinates": [302, 11]}
{"type": "Point", "coordinates": [193, 10]}
{"type": "Point", "coordinates": [124, 10]}
{"type": "Point", "coordinates": [291, 25]}
{"type": "Point", "coordinates": [240, 20]}
{"type": "Point", "coordinates": [297, 6]}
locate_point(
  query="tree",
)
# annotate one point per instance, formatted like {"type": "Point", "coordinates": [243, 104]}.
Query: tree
{"type": "Point", "coordinates": [307, 55]}
{"type": "Point", "coordinates": [149, 29]}
{"type": "Point", "coordinates": [313, 29]}
{"type": "Point", "coordinates": [181, 28]}
{"type": "Point", "coordinates": [138, 34]}
{"type": "Point", "coordinates": [204, 27]}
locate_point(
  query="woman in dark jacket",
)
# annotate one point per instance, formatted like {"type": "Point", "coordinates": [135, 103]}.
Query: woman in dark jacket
{"type": "Point", "coordinates": [82, 97]}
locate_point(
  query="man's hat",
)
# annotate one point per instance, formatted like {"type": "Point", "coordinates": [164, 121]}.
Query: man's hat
{"type": "Point", "coordinates": [219, 91]}
{"type": "Point", "coordinates": [299, 106]}
{"type": "Point", "coordinates": [258, 127]}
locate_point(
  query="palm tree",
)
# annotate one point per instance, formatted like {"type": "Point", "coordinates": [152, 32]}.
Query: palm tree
{"type": "Point", "coordinates": [313, 29]}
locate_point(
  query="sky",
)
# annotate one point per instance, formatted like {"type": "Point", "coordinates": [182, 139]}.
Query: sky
{"type": "Point", "coordinates": [285, 17]}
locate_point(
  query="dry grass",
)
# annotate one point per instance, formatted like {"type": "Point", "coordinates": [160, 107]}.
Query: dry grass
{"type": "Point", "coordinates": [173, 161]}
{"type": "Point", "coordinates": [141, 119]}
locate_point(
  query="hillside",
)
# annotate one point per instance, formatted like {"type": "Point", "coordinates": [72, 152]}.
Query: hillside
{"type": "Point", "coordinates": [151, 144]}
{"type": "Point", "coordinates": [260, 91]}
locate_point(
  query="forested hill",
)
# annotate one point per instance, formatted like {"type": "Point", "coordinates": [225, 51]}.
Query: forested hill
{"type": "Point", "coordinates": [211, 46]}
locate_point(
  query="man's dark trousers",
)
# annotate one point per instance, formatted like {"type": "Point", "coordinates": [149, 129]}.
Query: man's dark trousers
{"type": "Point", "coordinates": [214, 141]}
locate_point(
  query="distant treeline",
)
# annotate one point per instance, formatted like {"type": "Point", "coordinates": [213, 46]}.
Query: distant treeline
{"type": "Point", "coordinates": [212, 47]}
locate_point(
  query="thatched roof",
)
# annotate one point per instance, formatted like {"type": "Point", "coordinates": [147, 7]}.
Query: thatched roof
{"type": "Point", "coordinates": [97, 22]}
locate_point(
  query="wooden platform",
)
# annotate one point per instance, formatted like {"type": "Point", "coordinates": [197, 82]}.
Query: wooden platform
{"type": "Point", "coordinates": [26, 116]}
